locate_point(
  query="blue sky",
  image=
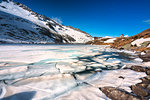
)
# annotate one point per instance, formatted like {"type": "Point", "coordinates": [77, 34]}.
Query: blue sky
{"type": "Point", "coordinates": [97, 17]}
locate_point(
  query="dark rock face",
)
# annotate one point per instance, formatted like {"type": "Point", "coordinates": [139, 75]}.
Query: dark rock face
{"type": "Point", "coordinates": [138, 68]}
{"type": "Point", "coordinates": [142, 89]}
{"type": "Point", "coordinates": [139, 91]}
{"type": "Point", "coordinates": [145, 57]}
{"type": "Point", "coordinates": [148, 72]}
{"type": "Point", "coordinates": [118, 94]}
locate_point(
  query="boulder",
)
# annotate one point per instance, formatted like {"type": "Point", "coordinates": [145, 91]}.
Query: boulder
{"type": "Point", "coordinates": [145, 44]}
{"type": "Point", "coordinates": [148, 72]}
{"type": "Point", "coordinates": [117, 94]}
{"type": "Point", "coordinates": [146, 57]}
{"type": "Point", "coordinates": [143, 85]}
{"type": "Point", "coordinates": [139, 91]}
{"type": "Point", "coordinates": [127, 46]}
{"type": "Point", "coordinates": [138, 68]}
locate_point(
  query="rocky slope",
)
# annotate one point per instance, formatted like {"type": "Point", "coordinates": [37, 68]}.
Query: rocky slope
{"type": "Point", "coordinates": [139, 42]}
{"type": "Point", "coordinates": [19, 24]}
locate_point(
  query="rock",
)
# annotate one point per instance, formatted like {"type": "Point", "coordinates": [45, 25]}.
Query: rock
{"type": "Point", "coordinates": [145, 57]}
{"type": "Point", "coordinates": [148, 72]}
{"type": "Point", "coordinates": [148, 87]}
{"type": "Point", "coordinates": [127, 46]}
{"type": "Point", "coordinates": [117, 94]}
{"type": "Point", "coordinates": [143, 85]}
{"type": "Point", "coordinates": [148, 77]}
{"type": "Point", "coordinates": [148, 68]}
{"type": "Point", "coordinates": [143, 53]}
{"type": "Point", "coordinates": [121, 77]}
{"type": "Point", "coordinates": [138, 68]}
{"type": "Point", "coordinates": [145, 44]}
{"type": "Point", "coordinates": [139, 91]}
{"type": "Point", "coordinates": [145, 80]}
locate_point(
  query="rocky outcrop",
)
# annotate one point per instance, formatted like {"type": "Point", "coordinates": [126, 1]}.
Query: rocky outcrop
{"type": "Point", "coordinates": [118, 94]}
{"type": "Point", "coordinates": [126, 42]}
{"type": "Point", "coordinates": [140, 91]}
{"type": "Point", "coordinates": [146, 57]}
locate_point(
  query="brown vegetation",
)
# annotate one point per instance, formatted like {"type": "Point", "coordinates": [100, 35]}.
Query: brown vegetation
{"type": "Point", "coordinates": [142, 49]}
{"type": "Point", "coordinates": [122, 41]}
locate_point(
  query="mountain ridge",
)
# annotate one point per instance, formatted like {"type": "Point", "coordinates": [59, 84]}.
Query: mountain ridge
{"type": "Point", "coordinates": [41, 26]}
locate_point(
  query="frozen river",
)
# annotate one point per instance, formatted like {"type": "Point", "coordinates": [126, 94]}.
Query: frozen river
{"type": "Point", "coordinates": [62, 72]}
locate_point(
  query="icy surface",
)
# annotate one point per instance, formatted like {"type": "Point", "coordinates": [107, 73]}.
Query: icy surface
{"type": "Point", "coordinates": [63, 72]}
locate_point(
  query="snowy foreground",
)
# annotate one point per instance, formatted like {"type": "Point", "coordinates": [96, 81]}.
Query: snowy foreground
{"type": "Point", "coordinates": [63, 72]}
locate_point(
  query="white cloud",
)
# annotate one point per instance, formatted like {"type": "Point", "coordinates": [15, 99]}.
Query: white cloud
{"type": "Point", "coordinates": [58, 20]}
{"type": "Point", "coordinates": [147, 21]}
{"type": "Point", "coordinates": [126, 36]}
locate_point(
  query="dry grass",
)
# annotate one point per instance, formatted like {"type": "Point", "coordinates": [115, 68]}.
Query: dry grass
{"type": "Point", "coordinates": [126, 40]}
{"type": "Point", "coordinates": [122, 41]}
{"type": "Point", "coordinates": [142, 49]}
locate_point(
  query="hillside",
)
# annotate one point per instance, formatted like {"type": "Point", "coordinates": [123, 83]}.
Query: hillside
{"type": "Point", "coordinates": [139, 42]}
{"type": "Point", "coordinates": [19, 24]}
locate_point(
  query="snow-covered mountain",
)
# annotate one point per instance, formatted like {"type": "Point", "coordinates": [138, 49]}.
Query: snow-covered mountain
{"type": "Point", "coordinates": [19, 24]}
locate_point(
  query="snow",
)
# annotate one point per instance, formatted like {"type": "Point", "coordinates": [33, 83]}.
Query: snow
{"type": "Point", "coordinates": [111, 78]}
{"type": "Point", "coordinates": [84, 93]}
{"type": "Point", "coordinates": [33, 22]}
{"type": "Point", "coordinates": [138, 59]}
{"type": "Point", "coordinates": [146, 64]}
{"type": "Point", "coordinates": [48, 70]}
{"type": "Point", "coordinates": [18, 11]}
{"type": "Point", "coordinates": [106, 78]}
{"type": "Point", "coordinates": [138, 42]}
{"type": "Point", "coordinates": [110, 40]}
{"type": "Point", "coordinates": [16, 26]}
{"type": "Point", "coordinates": [13, 70]}
{"type": "Point", "coordinates": [78, 36]}
{"type": "Point", "coordinates": [3, 90]}
{"type": "Point", "coordinates": [107, 37]}
{"type": "Point", "coordinates": [143, 53]}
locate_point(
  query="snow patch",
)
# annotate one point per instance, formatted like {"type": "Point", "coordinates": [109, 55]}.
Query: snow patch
{"type": "Point", "coordinates": [112, 78]}
{"type": "Point", "coordinates": [138, 42]}
{"type": "Point", "coordinates": [138, 59]}
{"type": "Point", "coordinates": [110, 40]}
